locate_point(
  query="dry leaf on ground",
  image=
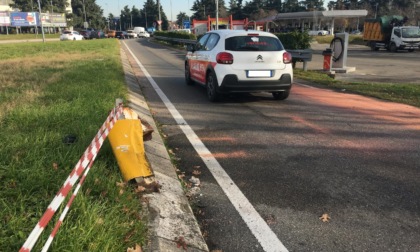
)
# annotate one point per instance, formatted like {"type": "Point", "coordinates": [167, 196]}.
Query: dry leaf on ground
{"type": "Point", "coordinates": [137, 249]}
{"type": "Point", "coordinates": [140, 189]}
{"type": "Point", "coordinates": [325, 218]}
{"type": "Point", "coordinates": [181, 243]}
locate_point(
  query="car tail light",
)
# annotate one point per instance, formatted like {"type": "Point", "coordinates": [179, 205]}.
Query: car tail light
{"type": "Point", "coordinates": [224, 58]}
{"type": "Point", "coordinates": [287, 58]}
{"type": "Point", "coordinates": [253, 34]}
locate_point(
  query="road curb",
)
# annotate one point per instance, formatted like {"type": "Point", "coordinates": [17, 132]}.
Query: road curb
{"type": "Point", "coordinates": [170, 217]}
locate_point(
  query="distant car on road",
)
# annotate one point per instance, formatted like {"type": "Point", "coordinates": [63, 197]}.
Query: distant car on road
{"type": "Point", "coordinates": [318, 33]}
{"type": "Point", "coordinates": [92, 34]}
{"type": "Point", "coordinates": [235, 61]}
{"type": "Point", "coordinates": [121, 35]}
{"type": "Point", "coordinates": [71, 35]}
{"type": "Point", "coordinates": [144, 34]}
{"type": "Point", "coordinates": [132, 34]}
{"type": "Point", "coordinates": [111, 33]}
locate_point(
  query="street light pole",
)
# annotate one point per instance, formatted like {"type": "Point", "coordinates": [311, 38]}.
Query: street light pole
{"type": "Point", "coordinates": [376, 10]}
{"type": "Point", "coordinates": [217, 14]}
{"type": "Point", "coordinates": [84, 10]}
{"type": "Point", "coordinates": [51, 17]}
{"type": "Point", "coordinates": [145, 15]}
{"type": "Point", "coordinates": [42, 27]}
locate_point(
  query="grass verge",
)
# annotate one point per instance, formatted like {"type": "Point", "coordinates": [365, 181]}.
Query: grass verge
{"type": "Point", "coordinates": [402, 93]}
{"type": "Point", "coordinates": [27, 36]}
{"type": "Point", "coordinates": [48, 91]}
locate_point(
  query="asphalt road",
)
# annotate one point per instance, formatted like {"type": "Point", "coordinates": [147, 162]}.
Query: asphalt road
{"type": "Point", "coordinates": [270, 169]}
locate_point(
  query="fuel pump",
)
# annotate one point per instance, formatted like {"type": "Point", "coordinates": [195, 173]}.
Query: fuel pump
{"type": "Point", "coordinates": [339, 46]}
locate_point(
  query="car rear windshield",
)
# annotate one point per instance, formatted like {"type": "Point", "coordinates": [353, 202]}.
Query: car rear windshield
{"type": "Point", "coordinates": [253, 43]}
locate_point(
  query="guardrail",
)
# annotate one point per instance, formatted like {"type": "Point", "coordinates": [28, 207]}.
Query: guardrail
{"type": "Point", "coordinates": [303, 55]}
{"type": "Point", "coordinates": [178, 40]}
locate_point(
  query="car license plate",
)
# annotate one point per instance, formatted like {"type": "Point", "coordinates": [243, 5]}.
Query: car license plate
{"type": "Point", "coordinates": [259, 73]}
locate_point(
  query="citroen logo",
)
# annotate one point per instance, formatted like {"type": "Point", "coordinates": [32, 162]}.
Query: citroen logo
{"type": "Point", "coordinates": [259, 57]}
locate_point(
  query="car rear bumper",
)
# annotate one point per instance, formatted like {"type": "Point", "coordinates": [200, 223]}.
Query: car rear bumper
{"type": "Point", "coordinates": [231, 84]}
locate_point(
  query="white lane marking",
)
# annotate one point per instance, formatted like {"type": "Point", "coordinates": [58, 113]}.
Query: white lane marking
{"type": "Point", "coordinates": [266, 237]}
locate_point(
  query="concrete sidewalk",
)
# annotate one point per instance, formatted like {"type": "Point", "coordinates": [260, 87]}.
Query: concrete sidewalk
{"type": "Point", "coordinates": [170, 217]}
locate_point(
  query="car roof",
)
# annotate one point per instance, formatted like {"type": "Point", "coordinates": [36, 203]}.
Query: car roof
{"type": "Point", "coordinates": [233, 33]}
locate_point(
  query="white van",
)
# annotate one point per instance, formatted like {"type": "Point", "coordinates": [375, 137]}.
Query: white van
{"type": "Point", "coordinates": [139, 29]}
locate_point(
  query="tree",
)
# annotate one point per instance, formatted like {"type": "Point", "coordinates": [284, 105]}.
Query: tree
{"type": "Point", "coordinates": [312, 5]}
{"type": "Point", "coordinates": [180, 19]}
{"type": "Point", "coordinates": [292, 6]}
{"type": "Point", "coordinates": [235, 9]}
{"type": "Point", "coordinates": [204, 8]}
{"type": "Point", "coordinates": [149, 15]}
{"type": "Point", "coordinates": [274, 5]}
{"type": "Point", "coordinates": [46, 6]}
{"type": "Point", "coordinates": [87, 11]}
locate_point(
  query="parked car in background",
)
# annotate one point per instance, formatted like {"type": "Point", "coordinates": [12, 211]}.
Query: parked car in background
{"type": "Point", "coordinates": [71, 35]}
{"type": "Point", "coordinates": [121, 35]}
{"type": "Point", "coordinates": [356, 32]}
{"type": "Point", "coordinates": [132, 34]}
{"type": "Point", "coordinates": [318, 33]}
{"type": "Point", "coordinates": [235, 61]}
{"type": "Point", "coordinates": [111, 33]}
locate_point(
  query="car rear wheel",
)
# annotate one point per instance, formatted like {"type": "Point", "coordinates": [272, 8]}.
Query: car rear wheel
{"type": "Point", "coordinates": [211, 87]}
{"type": "Point", "coordinates": [188, 79]}
{"type": "Point", "coordinates": [281, 95]}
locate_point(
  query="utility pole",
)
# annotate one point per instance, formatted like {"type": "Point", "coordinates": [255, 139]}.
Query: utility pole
{"type": "Point", "coordinates": [160, 19]}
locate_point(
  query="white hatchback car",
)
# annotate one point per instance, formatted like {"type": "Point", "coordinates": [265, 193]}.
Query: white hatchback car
{"type": "Point", "coordinates": [71, 35]}
{"type": "Point", "coordinates": [233, 61]}
{"type": "Point", "coordinates": [132, 34]}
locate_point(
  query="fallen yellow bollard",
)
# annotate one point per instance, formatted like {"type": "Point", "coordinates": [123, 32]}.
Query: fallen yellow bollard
{"type": "Point", "coordinates": [126, 138]}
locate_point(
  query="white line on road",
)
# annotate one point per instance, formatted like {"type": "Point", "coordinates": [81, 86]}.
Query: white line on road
{"type": "Point", "coordinates": [266, 237]}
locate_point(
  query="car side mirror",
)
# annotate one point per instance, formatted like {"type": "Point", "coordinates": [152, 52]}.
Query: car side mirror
{"type": "Point", "coordinates": [191, 47]}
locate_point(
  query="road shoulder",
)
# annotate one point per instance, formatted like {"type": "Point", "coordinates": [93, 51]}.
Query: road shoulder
{"type": "Point", "coordinates": [170, 218]}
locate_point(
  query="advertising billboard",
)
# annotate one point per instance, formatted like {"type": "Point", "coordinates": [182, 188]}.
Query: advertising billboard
{"type": "Point", "coordinates": [4, 18]}
{"type": "Point", "coordinates": [24, 18]}
{"type": "Point", "coordinates": [53, 20]}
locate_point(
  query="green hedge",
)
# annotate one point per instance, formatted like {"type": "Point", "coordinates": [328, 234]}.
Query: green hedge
{"type": "Point", "coordinates": [295, 40]}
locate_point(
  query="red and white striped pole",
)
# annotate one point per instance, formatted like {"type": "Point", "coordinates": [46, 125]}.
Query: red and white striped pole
{"type": "Point", "coordinates": [87, 159]}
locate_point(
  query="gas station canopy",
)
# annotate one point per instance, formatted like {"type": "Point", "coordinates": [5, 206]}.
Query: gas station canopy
{"type": "Point", "coordinates": [316, 17]}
